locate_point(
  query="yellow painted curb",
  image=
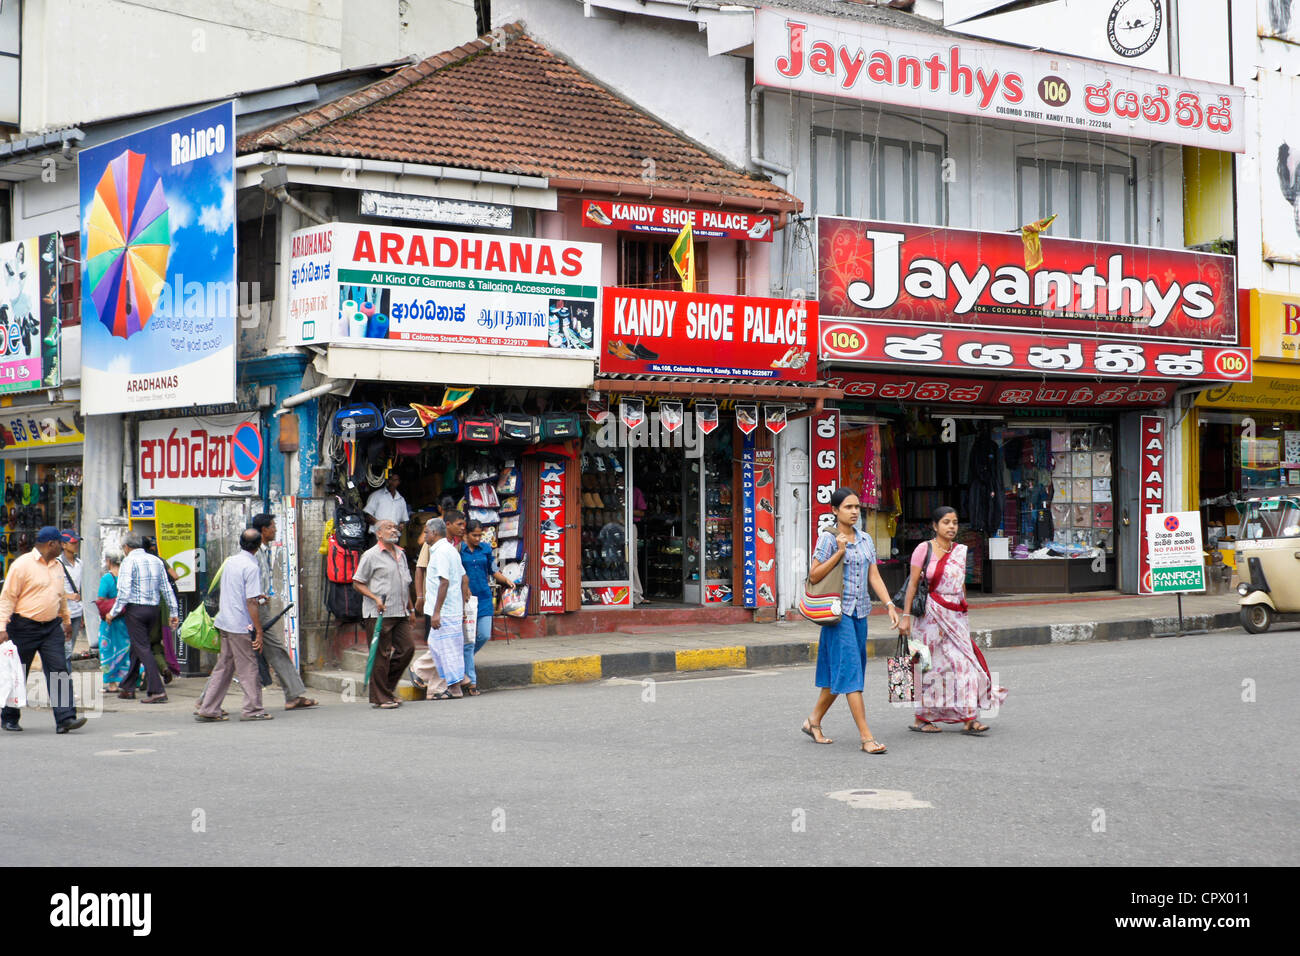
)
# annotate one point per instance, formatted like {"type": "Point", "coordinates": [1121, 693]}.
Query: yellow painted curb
{"type": "Point", "coordinates": [708, 658]}
{"type": "Point", "coordinates": [567, 670]}
{"type": "Point", "coordinates": [409, 692]}
{"type": "Point", "coordinates": [812, 651]}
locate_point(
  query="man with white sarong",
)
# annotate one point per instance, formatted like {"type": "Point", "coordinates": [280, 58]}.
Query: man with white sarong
{"type": "Point", "coordinates": [446, 591]}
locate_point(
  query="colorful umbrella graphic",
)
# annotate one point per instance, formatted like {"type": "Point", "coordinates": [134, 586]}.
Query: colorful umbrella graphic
{"type": "Point", "coordinates": [128, 243]}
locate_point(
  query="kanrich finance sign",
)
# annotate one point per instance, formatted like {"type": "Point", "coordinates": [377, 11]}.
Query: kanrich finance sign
{"type": "Point", "coordinates": [866, 61]}
{"type": "Point", "coordinates": [922, 275]}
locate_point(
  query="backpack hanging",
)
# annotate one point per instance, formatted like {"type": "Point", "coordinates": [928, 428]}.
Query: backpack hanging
{"type": "Point", "coordinates": [558, 425]}
{"type": "Point", "coordinates": [403, 422]}
{"type": "Point", "coordinates": [349, 529]}
{"type": "Point", "coordinates": [344, 602]}
{"type": "Point", "coordinates": [360, 420]}
{"type": "Point", "coordinates": [340, 562]}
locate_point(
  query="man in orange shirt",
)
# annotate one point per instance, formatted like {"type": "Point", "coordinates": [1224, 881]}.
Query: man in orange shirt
{"type": "Point", "coordinates": [32, 608]}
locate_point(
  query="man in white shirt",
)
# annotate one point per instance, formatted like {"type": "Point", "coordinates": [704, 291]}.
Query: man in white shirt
{"type": "Point", "coordinates": [72, 588]}
{"type": "Point", "coordinates": [387, 504]}
{"type": "Point", "coordinates": [444, 600]}
{"type": "Point", "coordinates": [239, 619]}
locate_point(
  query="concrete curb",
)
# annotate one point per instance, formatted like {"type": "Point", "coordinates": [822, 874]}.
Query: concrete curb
{"type": "Point", "coordinates": [594, 667]}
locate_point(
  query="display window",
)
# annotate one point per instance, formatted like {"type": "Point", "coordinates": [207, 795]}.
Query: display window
{"type": "Point", "coordinates": [38, 494]}
{"type": "Point", "coordinates": [1244, 450]}
{"type": "Point", "coordinates": [1022, 489]}
{"type": "Point", "coordinates": [658, 514]}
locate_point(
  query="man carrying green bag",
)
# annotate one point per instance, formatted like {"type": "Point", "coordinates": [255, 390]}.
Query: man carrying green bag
{"type": "Point", "coordinates": [197, 630]}
{"type": "Point", "coordinates": [239, 621]}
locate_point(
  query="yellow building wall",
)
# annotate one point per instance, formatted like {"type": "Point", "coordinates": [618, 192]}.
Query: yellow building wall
{"type": "Point", "coordinates": [1207, 196]}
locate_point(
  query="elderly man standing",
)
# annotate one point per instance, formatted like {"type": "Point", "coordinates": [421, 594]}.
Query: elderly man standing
{"type": "Point", "coordinates": [273, 647]}
{"type": "Point", "coordinates": [240, 623]}
{"type": "Point", "coordinates": [384, 581]}
{"type": "Point", "coordinates": [141, 587]}
{"type": "Point", "coordinates": [34, 615]}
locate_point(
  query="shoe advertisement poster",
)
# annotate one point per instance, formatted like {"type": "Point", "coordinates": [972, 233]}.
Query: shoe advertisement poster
{"type": "Point", "coordinates": [671, 415]}
{"type": "Point", "coordinates": [158, 293]}
{"type": "Point", "coordinates": [651, 332]}
{"type": "Point", "coordinates": [774, 418]}
{"type": "Point", "coordinates": [631, 412]}
{"type": "Point", "coordinates": [448, 291]}
{"type": "Point", "coordinates": [758, 522]}
{"type": "Point", "coordinates": [746, 418]}
{"type": "Point", "coordinates": [29, 314]}
{"type": "Point", "coordinates": [706, 417]}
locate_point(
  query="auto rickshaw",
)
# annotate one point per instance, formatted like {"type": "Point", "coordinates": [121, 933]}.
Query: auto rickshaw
{"type": "Point", "coordinates": [1268, 558]}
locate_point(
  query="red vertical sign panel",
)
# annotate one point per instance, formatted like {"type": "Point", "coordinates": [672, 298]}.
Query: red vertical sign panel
{"type": "Point", "coordinates": [825, 471]}
{"type": "Point", "coordinates": [1151, 489]}
{"type": "Point", "coordinates": [551, 592]}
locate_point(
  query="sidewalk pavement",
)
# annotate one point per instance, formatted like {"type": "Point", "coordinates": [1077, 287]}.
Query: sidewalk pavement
{"type": "Point", "coordinates": [1005, 621]}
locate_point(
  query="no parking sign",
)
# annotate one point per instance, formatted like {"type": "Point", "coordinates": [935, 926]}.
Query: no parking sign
{"type": "Point", "coordinates": [212, 456]}
{"type": "Point", "coordinates": [1174, 544]}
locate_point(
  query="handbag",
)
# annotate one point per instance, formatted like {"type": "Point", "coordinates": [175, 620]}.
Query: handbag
{"type": "Point", "coordinates": [902, 675]}
{"type": "Point", "coordinates": [104, 605]}
{"type": "Point", "coordinates": [482, 430]}
{"type": "Point", "coordinates": [358, 420]}
{"type": "Point", "coordinates": [445, 426]}
{"type": "Point", "coordinates": [820, 602]}
{"type": "Point", "coordinates": [13, 676]}
{"type": "Point", "coordinates": [516, 426]}
{"type": "Point", "coordinates": [922, 588]}
{"type": "Point", "coordinates": [403, 422]}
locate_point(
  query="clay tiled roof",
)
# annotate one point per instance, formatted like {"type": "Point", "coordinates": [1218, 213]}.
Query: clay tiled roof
{"type": "Point", "coordinates": [517, 109]}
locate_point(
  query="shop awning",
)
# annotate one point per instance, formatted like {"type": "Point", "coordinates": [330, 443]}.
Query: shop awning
{"type": "Point", "coordinates": [389, 363]}
{"type": "Point", "coordinates": [719, 389]}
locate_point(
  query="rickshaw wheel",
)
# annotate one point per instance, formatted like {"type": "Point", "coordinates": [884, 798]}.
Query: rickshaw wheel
{"type": "Point", "coordinates": [1256, 618]}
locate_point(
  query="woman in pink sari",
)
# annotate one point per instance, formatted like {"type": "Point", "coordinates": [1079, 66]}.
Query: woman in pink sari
{"type": "Point", "coordinates": [958, 684]}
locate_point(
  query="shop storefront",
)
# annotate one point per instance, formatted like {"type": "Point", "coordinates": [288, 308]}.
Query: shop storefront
{"type": "Point", "coordinates": [679, 468]}
{"type": "Point", "coordinates": [469, 356]}
{"type": "Point", "coordinates": [915, 321]}
{"type": "Point", "coordinates": [42, 457]}
{"type": "Point", "coordinates": [1245, 437]}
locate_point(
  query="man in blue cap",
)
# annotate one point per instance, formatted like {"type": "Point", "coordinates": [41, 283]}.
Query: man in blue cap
{"type": "Point", "coordinates": [34, 615]}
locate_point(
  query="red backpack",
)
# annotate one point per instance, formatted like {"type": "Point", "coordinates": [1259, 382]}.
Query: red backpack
{"type": "Point", "coordinates": [340, 563]}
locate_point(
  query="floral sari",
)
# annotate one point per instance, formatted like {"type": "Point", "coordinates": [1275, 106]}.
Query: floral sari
{"type": "Point", "coordinates": [958, 684]}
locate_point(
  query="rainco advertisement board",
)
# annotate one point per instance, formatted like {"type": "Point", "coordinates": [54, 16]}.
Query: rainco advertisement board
{"type": "Point", "coordinates": [866, 61]}
{"type": "Point", "coordinates": [158, 294]}
{"type": "Point", "coordinates": [450, 291]}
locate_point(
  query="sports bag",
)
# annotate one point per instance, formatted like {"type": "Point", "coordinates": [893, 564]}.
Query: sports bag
{"type": "Point", "coordinates": [358, 420]}
{"type": "Point", "coordinates": [340, 562]}
{"type": "Point", "coordinates": [349, 529]}
{"type": "Point", "coordinates": [480, 430]}
{"type": "Point", "coordinates": [518, 427]}
{"type": "Point", "coordinates": [561, 425]}
{"type": "Point", "coordinates": [403, 422]}
{"type": "Point", "coordinates": [445, 426]}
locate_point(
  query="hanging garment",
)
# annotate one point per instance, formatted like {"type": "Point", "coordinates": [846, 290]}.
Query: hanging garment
{"type": "Point", "coordinates": [984, 494]}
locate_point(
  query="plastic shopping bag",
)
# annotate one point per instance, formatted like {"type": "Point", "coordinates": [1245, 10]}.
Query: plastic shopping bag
{"type": "Point", "coordinates": [13, 679]}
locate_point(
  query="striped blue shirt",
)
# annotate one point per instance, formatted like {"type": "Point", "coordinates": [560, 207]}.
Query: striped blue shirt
{"type": "Point", "coordinates": [859, 555]}
{"type": "Point", "coordinates": [143, 580]}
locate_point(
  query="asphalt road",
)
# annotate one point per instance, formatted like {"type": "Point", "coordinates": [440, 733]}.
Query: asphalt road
{"type": "Point", "coordinates": [1124, 753]}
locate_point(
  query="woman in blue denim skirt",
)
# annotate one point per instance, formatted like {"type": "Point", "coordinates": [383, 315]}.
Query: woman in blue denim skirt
{"type": "Point", "coordinates": [842, 650]}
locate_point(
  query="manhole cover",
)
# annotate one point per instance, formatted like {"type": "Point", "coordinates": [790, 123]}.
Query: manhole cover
{"type": "Point", "coordinates": [880, 799]}
{"type": "Point", "coordinates": [123, 752]}
{"type": "Point", "coordinates": [148, 733]}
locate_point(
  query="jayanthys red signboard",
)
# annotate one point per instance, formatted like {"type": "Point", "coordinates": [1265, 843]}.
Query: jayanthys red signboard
{"type": "Point", "coordinates": [922, 275]}
{"type": "Point", "coordinates": [669, 220]}
{"type": "Point", "coordinates": [713, 336]}
{"type": "Point", "coordinates": [982, 351]}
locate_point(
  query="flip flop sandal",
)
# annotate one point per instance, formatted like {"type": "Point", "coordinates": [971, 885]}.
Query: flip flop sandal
{"type": "Point", "coordinates": [389, 705]}
{"type": "Point", "coordinates": [875, 753]}
{"type": "Point", "coordinates": [472, 691]}
{"type": "Point", "coordinates": [445, 695]}
{"type": "Point", "coordinates": [920, 728]}
{"type": "Point", "coordinates": [210, 720]}
{"type": "Point", "coordinates": [975, 733]}
{"type": "Point", "coordinates": [258, 717]}
{"type": "Point", "coordinates": [808, 729]}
